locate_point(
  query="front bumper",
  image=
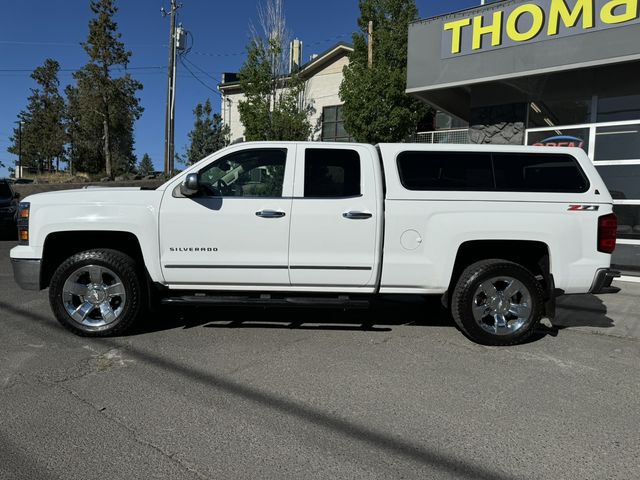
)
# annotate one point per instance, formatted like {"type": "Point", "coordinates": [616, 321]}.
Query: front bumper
{"type": "Point", "coordinates": [602, 281]}
{"type": "Point", "coordinates": [26, 272]}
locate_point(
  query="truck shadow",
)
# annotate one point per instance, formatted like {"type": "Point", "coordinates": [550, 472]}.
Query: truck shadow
{"type": "Point", "coordinates": [581, 311]}
{"type": "Point", "coordinates": [383, 316]}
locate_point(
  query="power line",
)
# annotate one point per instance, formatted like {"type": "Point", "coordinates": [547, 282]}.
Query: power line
{"type": "Point", "coordinates": [63, 44]}
{"type": "Point", "coordinates": [159, 45]}
{"type": "Point", "coordinates": [310, 44]}
{"type": "Point", "coordinates": [58, 44]}
{"type": "Point", "coordinates": [207, 54]}
{"type": "Point", "coordinates": [200, 69]}
{"type": "Point", "coordinates": [330, 39]}
{"type": "Point", "coordinates": [65, 76]}
{"type": "Point", "coordinates": [198, 79]}
{"type": "Point", "coordinates": [76, 69]}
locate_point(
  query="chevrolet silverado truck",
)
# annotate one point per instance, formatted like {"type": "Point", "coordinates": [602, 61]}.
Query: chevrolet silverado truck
{"type": "Point", "coordinates": [498, 232]}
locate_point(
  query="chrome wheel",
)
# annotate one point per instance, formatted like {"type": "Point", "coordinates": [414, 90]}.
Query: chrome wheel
{"type": "Point", "coordinates": [502, 305]}
{"type": "Point", "coordinates": [94, 296]}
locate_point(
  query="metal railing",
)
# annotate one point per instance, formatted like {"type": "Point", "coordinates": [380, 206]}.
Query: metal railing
{"type": "Point", "coordinates": [458, 135]}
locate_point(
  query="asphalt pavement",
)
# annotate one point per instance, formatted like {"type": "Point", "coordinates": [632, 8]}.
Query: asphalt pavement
{"type": "Point", "coordinates": [248, 393]}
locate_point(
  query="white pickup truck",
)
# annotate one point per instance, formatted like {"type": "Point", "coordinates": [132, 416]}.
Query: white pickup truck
{"type": "Point", "coordinates": [497, 231]}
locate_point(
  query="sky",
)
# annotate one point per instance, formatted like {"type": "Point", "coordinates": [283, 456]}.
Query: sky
{"type": "Point", "coordinates": [34, 30]}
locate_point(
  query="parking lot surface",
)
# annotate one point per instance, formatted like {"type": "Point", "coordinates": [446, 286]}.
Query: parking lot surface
{"type": "Point", "coordinates": [248, 393]}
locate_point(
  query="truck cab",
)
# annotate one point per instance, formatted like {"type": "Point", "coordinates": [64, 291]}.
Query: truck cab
{"type": "Point", "coordinates": [296, 216]}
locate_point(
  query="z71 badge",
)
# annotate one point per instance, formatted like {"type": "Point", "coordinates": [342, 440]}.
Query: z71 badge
{"type": "Point", "coordinates": [584, 208]}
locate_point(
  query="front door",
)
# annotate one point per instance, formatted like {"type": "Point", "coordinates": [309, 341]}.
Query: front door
{"type": "Point", "coordinates": [235, 232]}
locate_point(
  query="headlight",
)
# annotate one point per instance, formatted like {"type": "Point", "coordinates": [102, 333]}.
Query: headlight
{"type": "Point", "coordinates": [24, 210]}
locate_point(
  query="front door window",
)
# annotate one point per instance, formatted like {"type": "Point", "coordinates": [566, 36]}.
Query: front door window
{"type": "Point", "coordinates": [250, 173]}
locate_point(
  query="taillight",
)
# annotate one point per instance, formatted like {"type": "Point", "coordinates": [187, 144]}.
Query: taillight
{"type": "Point", "coordinates": [607, 232]}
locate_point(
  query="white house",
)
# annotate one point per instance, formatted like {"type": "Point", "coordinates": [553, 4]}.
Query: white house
{"type": "Point", "coordinates": [322, 76]}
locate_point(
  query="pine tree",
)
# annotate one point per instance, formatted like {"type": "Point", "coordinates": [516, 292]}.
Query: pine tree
{"type": "Point", "coordinates": [103, 109]}
{"type": "Point", "coordinates": [273, 108]}
{"type": "Point", "coordinates": [376, 107]}
{"type": "Point", "coordinates": [84, 129]}
{"type": "Point", "coordinates": [208, 135]}
{"type": "Point", "coordinates": [42, 139]}
{"type": "Point", "coordinates": [146, 165]}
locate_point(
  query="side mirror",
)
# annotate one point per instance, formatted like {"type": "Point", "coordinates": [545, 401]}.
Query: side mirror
{"type": "Point", "coordinates": [190, 186]}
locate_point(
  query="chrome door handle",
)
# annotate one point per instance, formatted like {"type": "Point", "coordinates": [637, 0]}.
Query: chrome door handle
{"type": "Point", "coordinates": [357, 215]}
{"type": "Point", "coordinates": [270, 214]}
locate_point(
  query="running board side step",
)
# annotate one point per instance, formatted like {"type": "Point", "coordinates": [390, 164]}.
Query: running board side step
{"type": "Point", "coordinates": [265, 301]}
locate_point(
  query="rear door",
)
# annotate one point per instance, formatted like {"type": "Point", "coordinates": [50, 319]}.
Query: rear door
{"type": "Point", "coordinates": [335, 217]}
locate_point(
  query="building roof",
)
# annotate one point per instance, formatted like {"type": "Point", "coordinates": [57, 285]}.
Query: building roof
{"type": "Point", "coordinates": [231, 82]}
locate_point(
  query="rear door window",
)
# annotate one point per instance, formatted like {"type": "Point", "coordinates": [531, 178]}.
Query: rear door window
{"type": "Point", "coordinates": [330, 172]}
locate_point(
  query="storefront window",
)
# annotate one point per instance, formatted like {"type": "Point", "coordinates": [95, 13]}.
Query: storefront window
{"type": "Point", "coordinates": [620, 142]}
{"type": "Point", "coordinates": [628, 221]}
{"type": "Point", "coordinates": [549, 113]}
{"type": "Point", "coordinates": [566, 137]}
{"type": "Point", "coordinates": [623, 181]}
{"type": "Point", "coordinates": [614, 109]}
{"type": "Point", "coordinates": [625, 258]}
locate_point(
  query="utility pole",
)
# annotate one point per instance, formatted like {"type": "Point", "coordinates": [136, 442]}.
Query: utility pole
{"type": "Point", "coordinates": [169, 147]}
{"type": "Point", "coordinates": [370, 42]}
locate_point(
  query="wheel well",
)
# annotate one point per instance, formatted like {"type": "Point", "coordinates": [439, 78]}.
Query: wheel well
{"type": "Point", "coordinates": [530, 254]}
{"type": "Point", "coordinates": [59, 246]}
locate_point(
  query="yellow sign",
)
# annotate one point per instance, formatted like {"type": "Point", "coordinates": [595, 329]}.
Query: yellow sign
{"type": "Point", "coordinates": [513, 23]}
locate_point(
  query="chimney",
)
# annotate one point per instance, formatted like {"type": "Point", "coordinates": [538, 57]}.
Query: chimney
{"type": "Point", "coordinates": [295, 56]}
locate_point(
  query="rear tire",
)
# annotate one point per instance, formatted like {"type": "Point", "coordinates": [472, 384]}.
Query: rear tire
{"type": "Point", "coordinates": [497, 302]}
{"type": "Point", "coordinates": [97, 293]}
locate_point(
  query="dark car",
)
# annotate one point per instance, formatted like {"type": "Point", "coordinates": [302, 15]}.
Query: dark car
{"type": "Point", "coordinates": [8, 209]}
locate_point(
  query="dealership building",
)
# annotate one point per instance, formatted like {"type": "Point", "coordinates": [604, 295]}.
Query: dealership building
{"type": "Point", "coordinates": [543, 72]}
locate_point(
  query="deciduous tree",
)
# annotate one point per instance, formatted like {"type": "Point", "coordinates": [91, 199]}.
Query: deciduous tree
{"type": "Point", "coordinates": [274, 107]}
{"type": "Point", "coordinates": [376, 107]}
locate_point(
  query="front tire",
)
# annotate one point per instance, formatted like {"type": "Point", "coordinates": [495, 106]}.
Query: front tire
{"type": "Point", "coordinates": [497, 302]}
{"type": "Point", "coordinates": [97, 293]}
